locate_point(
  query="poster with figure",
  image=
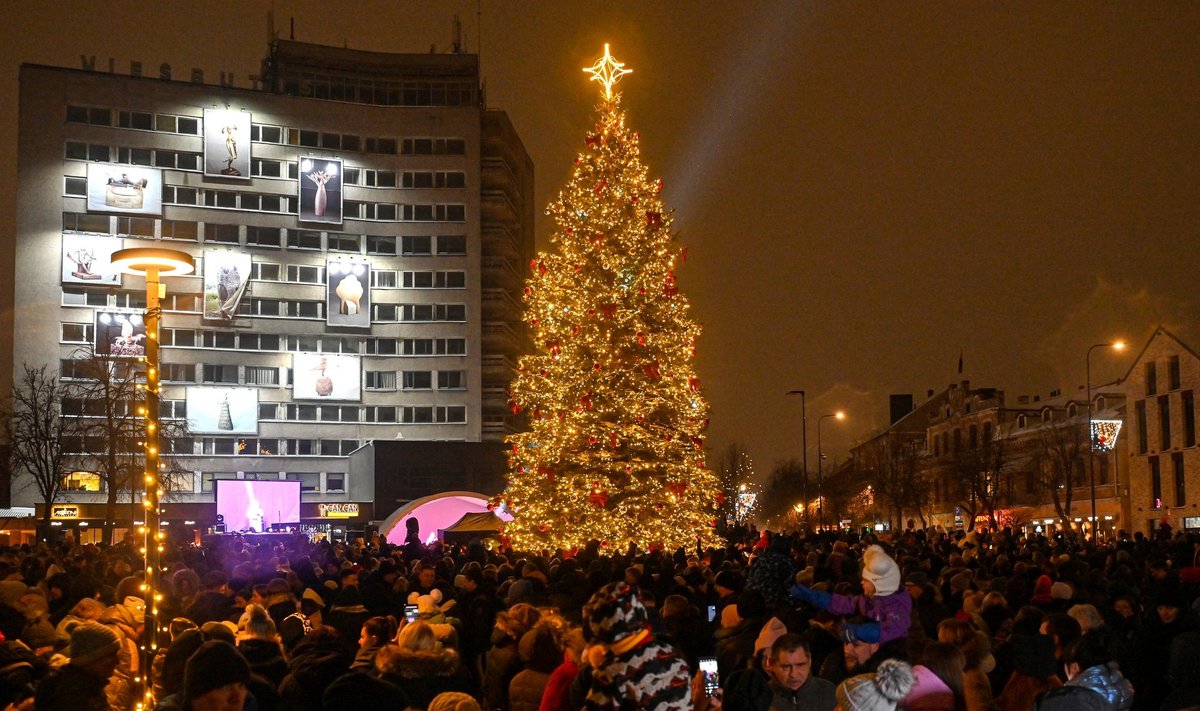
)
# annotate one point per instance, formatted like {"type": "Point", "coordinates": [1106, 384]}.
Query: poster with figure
{"type": "Point", "coordinates": [348, 297]}
{"type": "Point", "coordinates": [226, 275]}
{"type": "Point", "coordinates": [120, 334]}
{"type": "Point", "coordinates": [321, 190]}
{"type": "Point", "coordinates": [87, 259]}
{"type": "Point", "coordinates": [216, 410]}
{"type": "Point", "coordinates": [124, 188]}
{"type": "Point", "coordinates": [326, 376]}
{"type": "Point", "coordinates": [227, 144]}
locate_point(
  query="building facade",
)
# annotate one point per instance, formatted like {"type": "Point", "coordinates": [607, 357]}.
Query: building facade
{"type": "Point", "coordinates": [1164, 462]}
{"type": "Point", "coordinates": [360, 224]}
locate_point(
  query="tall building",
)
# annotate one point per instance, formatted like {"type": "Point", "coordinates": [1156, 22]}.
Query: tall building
{"type": "Point", "coordinates": [360, 223]}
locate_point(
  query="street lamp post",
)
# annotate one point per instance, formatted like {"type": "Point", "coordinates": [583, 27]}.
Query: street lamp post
{"type": "Point", "coordinates": [153, 263]}
{"type": "Point", "coordinates": [1118, 345]}
{"type": "Point", "coordinates": [804, 444]}
{"type": "Point", "coordinates": [820, 471]}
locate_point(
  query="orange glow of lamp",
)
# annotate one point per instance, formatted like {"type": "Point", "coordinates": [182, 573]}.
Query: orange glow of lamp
{"type": "Point", "coordinates": [153, 263]}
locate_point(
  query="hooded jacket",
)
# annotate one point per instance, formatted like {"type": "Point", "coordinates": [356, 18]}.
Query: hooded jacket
{"type": "Point", "coordinates": [1107, 680]}
{"type": "Point", "coordinates": [421, 675]}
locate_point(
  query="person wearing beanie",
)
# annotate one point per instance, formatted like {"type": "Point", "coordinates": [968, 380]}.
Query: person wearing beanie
{"type": "Point", "coordinates": [882, 600]}
{"type": "Point", "coordinates": [1033, 673]}
{"type": "Point", "coordinates": [861, 652]}
{"type": "Point", "coordinates": [630, 669]}
{"type": "Point", "coordinates": [79, 684]}
{"type": "Point", "coordinates": [880, 691]}
{"type": "Point", "coordinates": [215, 678]}
{"type": "Point", "coordinates": [259, 643]}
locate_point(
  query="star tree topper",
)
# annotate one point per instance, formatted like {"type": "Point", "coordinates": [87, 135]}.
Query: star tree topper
{"type": "Point", "coordinates": [608, 71]}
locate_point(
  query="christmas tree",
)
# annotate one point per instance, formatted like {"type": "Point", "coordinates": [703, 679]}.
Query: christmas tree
{"type": "Point", "coordinates": [615, 449]}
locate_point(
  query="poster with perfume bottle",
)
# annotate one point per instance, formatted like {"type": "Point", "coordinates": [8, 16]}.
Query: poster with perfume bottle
{"type": "Point", "coordinates": [320, 190]}
{"type": "Point", "coordinates": [87, 259]}
{"type": "Point", "coordinates": [217, 410]}
{"type": "Point", "coordinates": [227, 144]}
{"type": "Point", "coordinates": [120, 334]}
{"type": "Point", "coordinates": [348, 293]}
{"type": "Point", "coordinates": [124, 188]}
{"type": "Point", "coordinates": [326, 376]}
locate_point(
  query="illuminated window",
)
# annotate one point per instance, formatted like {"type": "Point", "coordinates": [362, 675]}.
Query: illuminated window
{"type": "Point", "coordinates": [81, 481]}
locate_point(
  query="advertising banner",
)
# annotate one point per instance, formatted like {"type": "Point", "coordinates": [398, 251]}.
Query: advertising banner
{"type": "Point", "coordinates": [120, 334]}
{"type": "Point", "coordinates": [217, 410]}
{"type": "Point", "coordinates": [326, 376]}
{"type": "Point", "coordinates": [227, 143]}
{"type": "Point", "coordinates": [124, 188]}
{"type": "Point", "coordinates": [321, 190]}
{"type": "Point", "coordinates": [226, 275]}
{"type": "Point", "coordinates": [87, 259]}
{"type": "Point", "coordinates": [348, 300]}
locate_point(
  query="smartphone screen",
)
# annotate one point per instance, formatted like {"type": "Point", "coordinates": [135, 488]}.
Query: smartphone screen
{"type": "Point", "coordinates": [410, 613]}
{"type": "Point", "coordinates": [712, 612]}
{"type": "Point", "coordinates": [712, 681]}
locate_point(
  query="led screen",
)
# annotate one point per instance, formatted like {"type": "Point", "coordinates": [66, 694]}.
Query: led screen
{"type": "Point", "coordinates": [227, 144]}
{"type": "Point", "coordinates": [257, 505]}
{"type": "Point", "coordinates": [320, 190]}
{"type": "Point", "coordinates": [222, 410]}
{"type": "Point", "coordinates": [348, 298]}
{"type": "Point", "coordinates": [124, 188]}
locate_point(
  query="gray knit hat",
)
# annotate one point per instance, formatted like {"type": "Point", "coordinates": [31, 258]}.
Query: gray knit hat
{"type": "Point", "coordinates": [880, 691]}
{"type": "Point", "coordinates": [91, 641]}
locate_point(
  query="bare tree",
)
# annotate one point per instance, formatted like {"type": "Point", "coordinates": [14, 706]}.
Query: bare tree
{"type": "Point", "coordinates": [733, 468]}
{"type": "Point", "coordinates": [894, 470]}
{"type": "Point", "coordinates": [784, 489]}
{"type": "Point", "coordinates": [37, 430]}
{"type": "Point", "coordinates": [1057, 464]}
{"type": "Point", "coordinates": [980, 480]}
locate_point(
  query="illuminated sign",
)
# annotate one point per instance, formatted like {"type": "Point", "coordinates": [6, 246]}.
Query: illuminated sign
{"type": "Point", "coordinates": [337, 510]}
{"type": "Point", "coordinates": [69, 511]}
{"type": "Point", "coordinates": [1104, 434]}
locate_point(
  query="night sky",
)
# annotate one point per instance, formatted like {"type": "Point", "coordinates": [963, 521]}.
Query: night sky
{"type": "Point", "coordinates": [865, 189]}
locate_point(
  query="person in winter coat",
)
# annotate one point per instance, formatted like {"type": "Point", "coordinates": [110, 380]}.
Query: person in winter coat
{"type": "Point", "coordinates": [976, 649]}
{"type": "Point", "coordinates": [79, 684]}
{"type": "Point", "coordinates": [541, 651]}
{"type": "Point", "coordinates": [1090, 665]}
{"type": "Point", "coordinates": [630, 669]}
{"type": "Point", "coordinates": [1033, 673]}
{"type": "Point", "coordinates": [937, 680]}
{"type": "Point", "coordinates": [503, 659]}
{"type": "Point", "coordinates": [258, 642]}
{"type": "Point", "coordinates": [420, 665]}
{"type": "Point", "coordinates": [214, 603]}
{"type": "Point", "coordinates": [376, 632]}
{"type": "Point", "coordinates": [316, 660]}
{"type": "Point", "coordinates": [882, 599]}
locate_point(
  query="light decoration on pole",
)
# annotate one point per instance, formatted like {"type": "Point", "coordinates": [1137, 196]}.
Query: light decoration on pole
{"type": "Point", "coordinates": [153, 263]}
{"type": "Point", "coordinates": [616, 416]}
{"type": "Point", "coordinates": [1104, 434]}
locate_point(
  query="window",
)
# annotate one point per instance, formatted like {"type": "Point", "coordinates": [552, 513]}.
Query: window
{"type": "Point", "coordinates": [1155, 484]}
{"type": "Point", "coordinates": [380, 380]}
{"type": "Point", "coordinates": [263, 271]}
{"type": "Point", "coordinates": [415, 245]}
{"type": "Point", "coordinates": [1189, 419]}
{"type": "Point", "coordinates": [957, 440]}
{"type": "Point", "coordinates": [987, 433]}
{"type": "Point", "coordinates": [418, 346]}
{"type": "Point", "coordinates": [135, 226]}
{"type": "Point", "coordinates": [973, 436]}
{"type": "Point", "coordinates": [303, 275]}
{"type": "Point", "coordinates": [452, 244]}
{"type": "Point", "coordinates": [262, 375]}
{"type": "Point", "coordinates": [303, 309]}
{"type": "Point", "coordinates": [76, 333]}
{"type": "Point", "coordinates": [335, 481]}
{"type": "Point", "coordinates": [1180, 482]}
{"type": "Point", "coordinates": [1151, 378]}
{"type": "Point", "coordinates": [268, 410]}
{"type": "Point", "coordinates": [418, 380]}
{"type": "Point", "coordinates": [381, 245]}
{"type": "Point", "coordinates": [303, 239]}
{"type": "Point", "coordinates": [262, 236]}
{"type": "Point", "coordinates": [339, 242]}
{"type": "Point", "coordinates": [417, 415]}
{"type": "Point", "coordinates": [1173, 374]}
{"type": "Point", "coordinates": [178, 372]}
{"type": "Point", "coordinates": [221, 233]}
{"type": "Point", "coordinates": [207, 479]}
{"type": "Point", "coordinates": [266, 307]}
{"type": "Point", "coordinates": [451, 346]}
{"type": "Point", "coordinates": [83, 222]}
{"type": "Point", "coordinates": [1164, 422]}
{"type": "Point", "coordinates": [451, 380]}
{"type": "Point", "coordinates": [385, 312]}
{"type": "Point", "coordinates": [309, 344]}
{"type": "Point", "coordinates": [180, 229]}
{"type": "Point", "coordinates": [75, 186]}
{"type": "Point", "coordinates": [383, 279]}
{"type": "Point", "coordinates": [220, 373]}
{"type": "Point", "coordinates": [1143, 429]}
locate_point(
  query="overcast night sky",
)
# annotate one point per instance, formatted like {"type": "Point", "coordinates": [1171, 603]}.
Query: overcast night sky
{"type": "Point", "coordinates": [865, 189]}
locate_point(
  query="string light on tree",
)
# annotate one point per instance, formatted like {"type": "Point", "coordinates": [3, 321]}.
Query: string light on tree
{"type": "Point", "coordinates": [615, 449]}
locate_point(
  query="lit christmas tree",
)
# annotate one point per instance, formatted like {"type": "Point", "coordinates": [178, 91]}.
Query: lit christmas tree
{"type": "Point", "coordinates": [615, 452]}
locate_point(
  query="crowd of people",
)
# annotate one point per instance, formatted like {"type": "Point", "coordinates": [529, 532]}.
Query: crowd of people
{"type": "Point", "coordinates": [921, 620]}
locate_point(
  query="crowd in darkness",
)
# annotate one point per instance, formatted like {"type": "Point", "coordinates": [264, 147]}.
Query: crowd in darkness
{"type": "Point", "coordinates": [921, 620]}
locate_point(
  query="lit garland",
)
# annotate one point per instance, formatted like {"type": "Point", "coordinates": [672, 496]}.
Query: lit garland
{"type": "Point", "coordinates": [615, 450]}
{"type": "Point", "coordinates": [1104, 434]}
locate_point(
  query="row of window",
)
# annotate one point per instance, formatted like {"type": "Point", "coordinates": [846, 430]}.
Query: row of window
{"type": "Point", "coordinates": [943, 444]}
{"type": "Point", "coordinates": [262, 167]}
{"type": "Point", "coordinates": [1174, 375]}
{"type": "Point", "coordinates": [383, 245]}
{"type": "Point", "coordinates": [1156, 481]}
{"type": "Point", "coordinates": [185, 482]}
{"type": "Point", "coordinates": [1162, 403]}
{"type": "Point", "coordinates": [263, 133]}
{"type": "Point", "coordinates": [379, 92]}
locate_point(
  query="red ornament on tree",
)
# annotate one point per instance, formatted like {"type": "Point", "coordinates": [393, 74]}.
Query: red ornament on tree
{"type": "Point", "coordinates": [654, 220]}
{"type": "Point", "coordinates": [609, 311]}
{"type": "Point", "coordinates": [593, 139]}
{"type": "Point", "coordinates": [600, 187]}
{"type": "Point", "coordinates": [650, 370]}
{"type": "Point", "coordinates": [641, 338]}
{"type": "Point", "coordinates": [586, 401]}
{"type": "Point", "coordinates": [598, 498]}
{"type": "Point", "coordinates": [677, 487]}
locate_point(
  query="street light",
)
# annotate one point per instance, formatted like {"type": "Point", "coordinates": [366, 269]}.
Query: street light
{"type": "Point", "coordinates": [820, 474]}
{"type": "Point", "coordinates": [1116, 346]}
{"type": "Point", "coordinates": [804, 444]}
{"type": "Point", "coordinates": [153, 263]}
